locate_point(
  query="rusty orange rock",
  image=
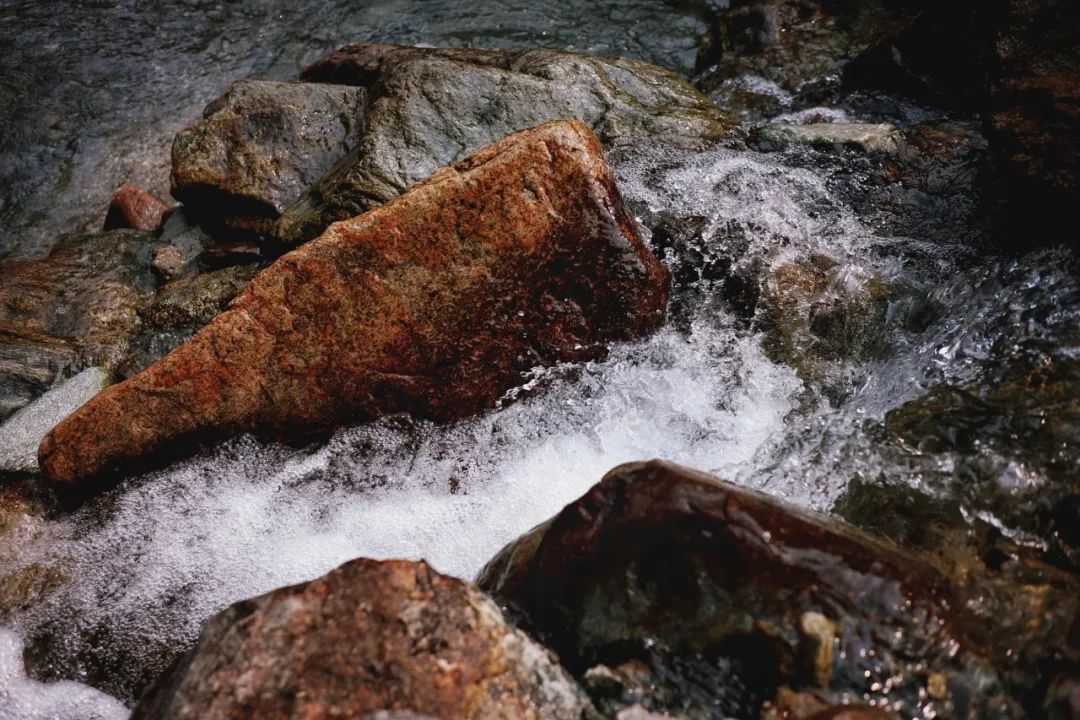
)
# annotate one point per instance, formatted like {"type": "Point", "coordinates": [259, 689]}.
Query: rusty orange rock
{"type": "Point", "coordinates": [135, 207]}
{"type": "Point", "coordinates": [523, 254]}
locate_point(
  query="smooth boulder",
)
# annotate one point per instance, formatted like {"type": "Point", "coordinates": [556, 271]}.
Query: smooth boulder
{"type": "Point", "coordinates": [369, 639]}
{"type": "Point", "coordinates": [428, 107]}
{"type": "Point", "coordinates": [435, 304]}
{"type": "Point", "coordinates": [668, 576]}
{"type": "Point", "coordinates": [259, 146]}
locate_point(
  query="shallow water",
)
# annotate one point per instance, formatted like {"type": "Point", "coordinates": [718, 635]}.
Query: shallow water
{"type": "Point", "coordinates": [149, 562]}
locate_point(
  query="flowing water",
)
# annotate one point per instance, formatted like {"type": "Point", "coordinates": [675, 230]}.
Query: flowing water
{"type": "Point", "coordinates": [146, 565]}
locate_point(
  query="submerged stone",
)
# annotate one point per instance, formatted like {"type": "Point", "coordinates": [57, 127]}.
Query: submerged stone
{"type": "Point", "coordinates": [683, 574]}
{"type": "Point", "coordinates": [388, 638]}
{"type": "Point", "coordinates": [428, 107]}
{"type": "Point", "coordinates": [868, 137]}
{"type": "Point", "coordinates": [520, 255]}
{"type": "Point", "coordinates": [259, 146]}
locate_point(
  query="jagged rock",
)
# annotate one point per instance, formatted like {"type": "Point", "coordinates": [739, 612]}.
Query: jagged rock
{"type": "Point", "coordinates": [766, 57]}
{"type": "Point", "coordinates": [75, 308]}
{"type": "Point", "coordinates": [391, 636]}
{"type": "Point", "coordinates": [430, 107]}
{"type": "Point", "coordinates": [521, 255]}
{"type": "Point", "coordinates": [135, 208]}
{"type": "Point", "coordinates": [694, 577]}
{"type": "Point", "coordinates": [259, 146]}
{"type": "Point", "coordinates": [21, 433]}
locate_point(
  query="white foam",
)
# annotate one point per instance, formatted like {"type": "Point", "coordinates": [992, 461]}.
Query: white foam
{"type": "Point", "coordinates": [22, 698]}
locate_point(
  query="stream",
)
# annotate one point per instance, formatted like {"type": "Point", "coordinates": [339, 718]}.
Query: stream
{"type": "Point", "coordinates": [93, 93]}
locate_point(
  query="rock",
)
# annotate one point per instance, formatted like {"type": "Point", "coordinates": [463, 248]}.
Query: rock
{"type": "Point", "coordinates": [259, 146]}
{"type": "Point", "coordinates": [191, 303]}
{"type": "Point", "coordinates": [136, 208]}
{"type": "Point", "coordinates": [369, 637]}
{"type": "Point", "coordinates": [521, 255]}
{"type": "Point", "coordinates": [429, 107]}
{"type": "Point", "coordinates": [686, 574]}
{"type": "Point", "coordinates": [168, 262]}
{"type": "Point", "coordinates": [21, 434]}
{"type": "Point", "coordinates": [1017, 64]}
{"type": "Point", "coordinates": [817, 312]}
{"type": "Point", "coordinates": [76, 308]}
{"type": "Point", "coordinates": [766, 57]}
{"type": "Point", "coordinates": [868, 137]}
{"type": "Point", "coordinates": [181, 309]}
{"type": "Point", "coordinates": [933, 181]}
{"type": "Point", "coordinates": [1025, 415]}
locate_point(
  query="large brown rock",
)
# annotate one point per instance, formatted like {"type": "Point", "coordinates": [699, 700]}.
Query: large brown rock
{"type": "Point", "coordinates": [684, 577]}
{"type": "Point", "coordinates": [520, 255]}
{"type": "Point", "coordinates": [370, 636]}
{"type": "Point", "coordinates": [429, 107]}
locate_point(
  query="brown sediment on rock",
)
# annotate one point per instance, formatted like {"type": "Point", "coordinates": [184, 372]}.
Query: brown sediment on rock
{"type": "Point", "coordinates": [521, 255]}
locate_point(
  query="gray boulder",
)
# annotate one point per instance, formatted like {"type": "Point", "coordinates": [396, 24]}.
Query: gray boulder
{"type": "Point", "coordinates": [259, 146]}
{"type": "Point", "coordinates": [431, 107]}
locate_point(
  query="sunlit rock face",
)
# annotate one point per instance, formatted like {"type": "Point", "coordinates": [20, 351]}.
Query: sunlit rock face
{"type": "Point", "coordinates": [369, 636]}
{"type": "Point", "coordinates": [520, 255]}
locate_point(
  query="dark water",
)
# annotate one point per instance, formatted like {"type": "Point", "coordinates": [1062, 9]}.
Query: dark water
{"type": "Point", "coordinates": [91, 93]}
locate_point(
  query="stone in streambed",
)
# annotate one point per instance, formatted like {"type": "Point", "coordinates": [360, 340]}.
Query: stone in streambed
{"type": "Point", "coordinates": [428, 107]}
{"type": "Point", "coordinates": [521, 255]}
{"type": "Point", "coordinates": [690, 577]}
{"type": "Point", "coordinates": [259, 146]}
{"type": "Point", "coordinates": [136, 208]}
{"type": "Point", "coordinates": [389, 638]}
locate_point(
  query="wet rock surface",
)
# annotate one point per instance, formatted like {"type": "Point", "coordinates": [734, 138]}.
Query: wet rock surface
{"type": "Point", "coordinates": [75, 308]}
{"type": "Point", "coordinates": [394, 639]}
{"type": "Point", "coordinates": [528, 258]}
{"type": "Point", "coordinates": [21, 433]}
{"type": "Point", "coordinates": [1016, 63]}
{"type": "Point", "coordinates": [431, 107]}
{"type": "Point", "coordinates": [684, 575]}
{"type": "Point", "coordinates": [766, 57]}
{"type": "Point", "coordinates": [259, 146]}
